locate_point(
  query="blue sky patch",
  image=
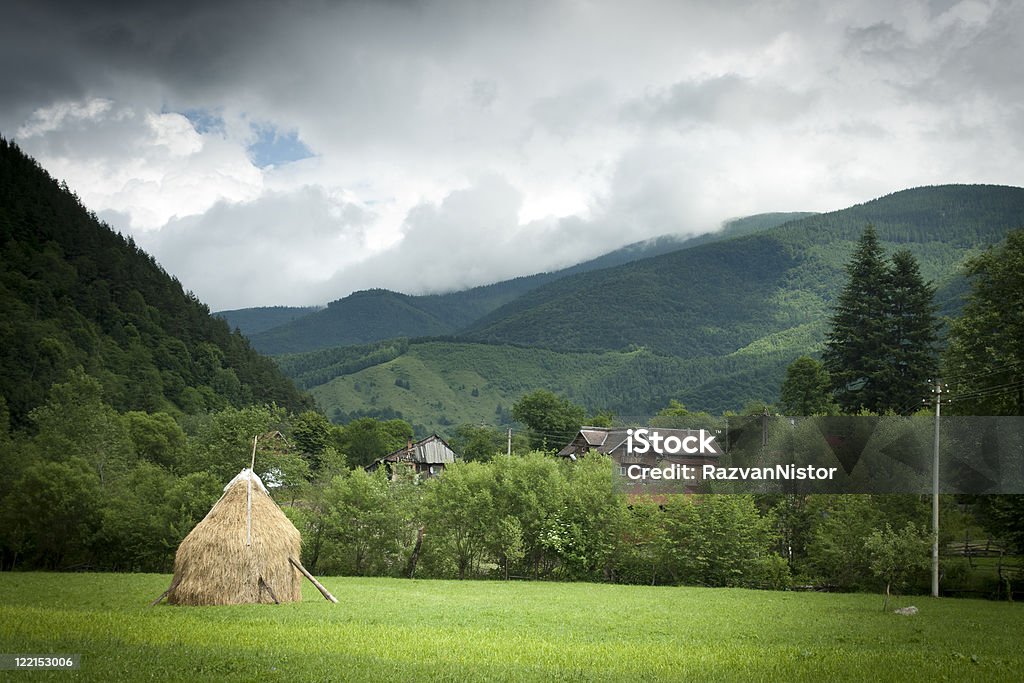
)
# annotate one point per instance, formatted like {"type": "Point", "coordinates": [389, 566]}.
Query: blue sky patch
{"type": "Point", "coordinates": [274, 147]}
{"type": "Point", "coordinates": [204, 121]}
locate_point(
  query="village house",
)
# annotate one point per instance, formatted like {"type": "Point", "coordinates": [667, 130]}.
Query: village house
{"type": "Point", "coordinates": [425, 458]}
{"type": "Point", "coordinates": [615, 444]}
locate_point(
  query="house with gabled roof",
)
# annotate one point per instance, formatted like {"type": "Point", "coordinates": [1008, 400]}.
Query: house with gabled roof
{"type": "Point", "coordinates": [614, 442]}
{"type": "Point", "coordinates": [425, 458]}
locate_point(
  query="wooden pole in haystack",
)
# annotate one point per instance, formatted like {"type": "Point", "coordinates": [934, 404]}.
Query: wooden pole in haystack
{"type": "Point", "coordinates": [248, 502]}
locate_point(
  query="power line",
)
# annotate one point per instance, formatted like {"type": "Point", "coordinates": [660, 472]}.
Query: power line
{"type": "Point", "coordinates": [986, 392]}
{"type": "Point", "coordinates": [911, 406]}
{"type": "Point", "coordinates": [992, 371]}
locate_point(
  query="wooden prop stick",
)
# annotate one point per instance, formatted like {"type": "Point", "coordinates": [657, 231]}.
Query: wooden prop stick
{"type": "Point", "coordinates": [264, 584]}
{"type": "Point", "coordinates": [162, 596]}
{"type": "Point", "coordinates": [319, 586]}
{"type": "Point", "coordinates": [174, 584]}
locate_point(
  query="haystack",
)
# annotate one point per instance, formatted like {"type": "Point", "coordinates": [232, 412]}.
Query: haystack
{"type": "Point", "coordinates": [244, 551]}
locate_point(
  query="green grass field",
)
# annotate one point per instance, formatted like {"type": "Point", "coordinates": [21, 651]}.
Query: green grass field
{"type": "Point", "coordinates": [386, 629]}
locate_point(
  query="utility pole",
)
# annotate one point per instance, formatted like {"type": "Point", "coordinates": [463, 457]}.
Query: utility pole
{"type": "Point", "coordinates": [510, 442]}
{"type": "Point", "coordinates": [937, 389]}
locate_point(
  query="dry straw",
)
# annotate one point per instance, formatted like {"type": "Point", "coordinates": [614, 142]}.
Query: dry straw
{"type": "Point", "coordinates": [215, 565]}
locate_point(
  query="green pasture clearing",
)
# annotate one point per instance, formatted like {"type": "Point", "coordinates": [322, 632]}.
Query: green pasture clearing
{"type": "Point", "coordinates": [443, 384]}
{"type": "Point", "coordinates": [390, 629]}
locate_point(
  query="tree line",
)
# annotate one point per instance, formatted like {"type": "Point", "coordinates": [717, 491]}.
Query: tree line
{"type": "Point", "coordinates": [89, 487]}
{"type": "Point", "coordinates": [93, 488]}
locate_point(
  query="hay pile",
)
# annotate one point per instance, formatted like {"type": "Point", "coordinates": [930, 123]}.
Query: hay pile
{"type": "Point", "coordinates": [215, 566]}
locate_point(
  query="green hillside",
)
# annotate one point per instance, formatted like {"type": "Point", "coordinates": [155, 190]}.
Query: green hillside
{"type": "Point", "coordinates": [713, 326]}
{"type": "Point", "coordinates": [75, 293]}
{"type": "Point", "coordinates": [377, 314]}
{"type": "Point", "coordinates": [359, 318]}
{"type": "Point", "coordinates": [437, 384]}
{"type": "Point", "coordinates": [720, 297]}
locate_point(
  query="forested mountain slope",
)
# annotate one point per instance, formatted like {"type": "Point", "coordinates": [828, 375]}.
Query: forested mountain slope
{"type": "Point", "coordinates": [720, 297]}
{"type": "Point", "coordinates": [377, 314]}
{"type": "Point", "coordinates": [713, 326]}
{"type": "Point", "coordinates": [437, 385]}
{"type": "Point", "coordinates": [75, 293]}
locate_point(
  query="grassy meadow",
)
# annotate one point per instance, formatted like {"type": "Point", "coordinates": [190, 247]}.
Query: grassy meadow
{"type": "Point", "coordinates": [389, 629]}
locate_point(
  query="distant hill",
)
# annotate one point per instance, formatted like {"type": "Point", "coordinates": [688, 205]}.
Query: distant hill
{"type": "Point", "coordinates": [436, 385]}
{"type": "Point", "coordinates": [75, 293]}
{"type": "Point", "coordinates": [713, 325]}
{"type": "Point", "coordinates": [719, 297]}
{"type": "Point", "coordinates": [378, 314]}
{"type": "Point", "coordinates": [254, 320]}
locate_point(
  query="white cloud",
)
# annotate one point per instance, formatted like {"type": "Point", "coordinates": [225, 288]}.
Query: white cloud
{"type": "Point", "coordinates": [272, 250]}
{"type": "Point", "coordinates": [496, 139]}
{"type": "Point", "coordinates": [64, 114]}
{"type": "Point", "coordinates": [147, 166]}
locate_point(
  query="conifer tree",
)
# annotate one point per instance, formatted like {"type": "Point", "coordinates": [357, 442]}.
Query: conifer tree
{"type": "Point", "coordinates": [912, 335]}
{"type": "Point", "coordinates": [806, 389]}
{"type": "Point", "coordinates": [855, 346]}
{"type": "Point", "coordinates": [881, 349]}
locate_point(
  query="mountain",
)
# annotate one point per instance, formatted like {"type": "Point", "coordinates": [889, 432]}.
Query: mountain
{"type": "Point", "coordinates": [714, 325]}
{"type": "Point", "coordinates": [377, 314]}
{"type": "Point", "coordinates": [254, 320]}
{"type": "Point", "coordinates": [720, 297]}
{"type": "Point", "coordinates": [75, 293]}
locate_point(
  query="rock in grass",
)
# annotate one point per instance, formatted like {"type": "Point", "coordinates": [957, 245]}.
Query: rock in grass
{"type": "Point", "coordinates": [906, 611]}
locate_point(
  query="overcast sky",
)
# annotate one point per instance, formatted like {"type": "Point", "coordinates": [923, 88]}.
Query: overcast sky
{"type": "Point", "coordinates": [289, 153]}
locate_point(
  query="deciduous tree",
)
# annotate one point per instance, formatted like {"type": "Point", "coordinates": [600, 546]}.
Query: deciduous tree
{"type": "Point", "coordinates": [896, 555]}
{"type": "Point", "coordinates": [366, 439]}
{"type": "Point", "coordinates": [985, 360]}
{"type": "Point", "coordinates": [552, 420]}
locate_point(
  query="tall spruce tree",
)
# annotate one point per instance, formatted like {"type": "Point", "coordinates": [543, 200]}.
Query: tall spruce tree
{"type": "Point", "coordinates": [855, 347]}
{"type": "Point", "coordinates": [912, 335]}
{"type": "Point", "coordinates": [881, 349]}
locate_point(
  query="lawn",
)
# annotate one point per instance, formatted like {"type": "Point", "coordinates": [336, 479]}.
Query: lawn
{"type": "Point", "coordinates": [388, 629]}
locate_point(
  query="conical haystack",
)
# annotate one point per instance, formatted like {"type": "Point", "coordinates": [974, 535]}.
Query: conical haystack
{"type": "Point", "coordinates": [240, 552]}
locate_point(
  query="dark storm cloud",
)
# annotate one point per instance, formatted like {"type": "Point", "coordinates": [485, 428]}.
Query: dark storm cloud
{"type": "Point", "coordinates": [496, 138]}
{"type": "Point", "coordinates": [63, 50]}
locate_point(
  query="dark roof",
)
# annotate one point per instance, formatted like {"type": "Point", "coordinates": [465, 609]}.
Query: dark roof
{"type": "Point", "coordinates": [594, 437]}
